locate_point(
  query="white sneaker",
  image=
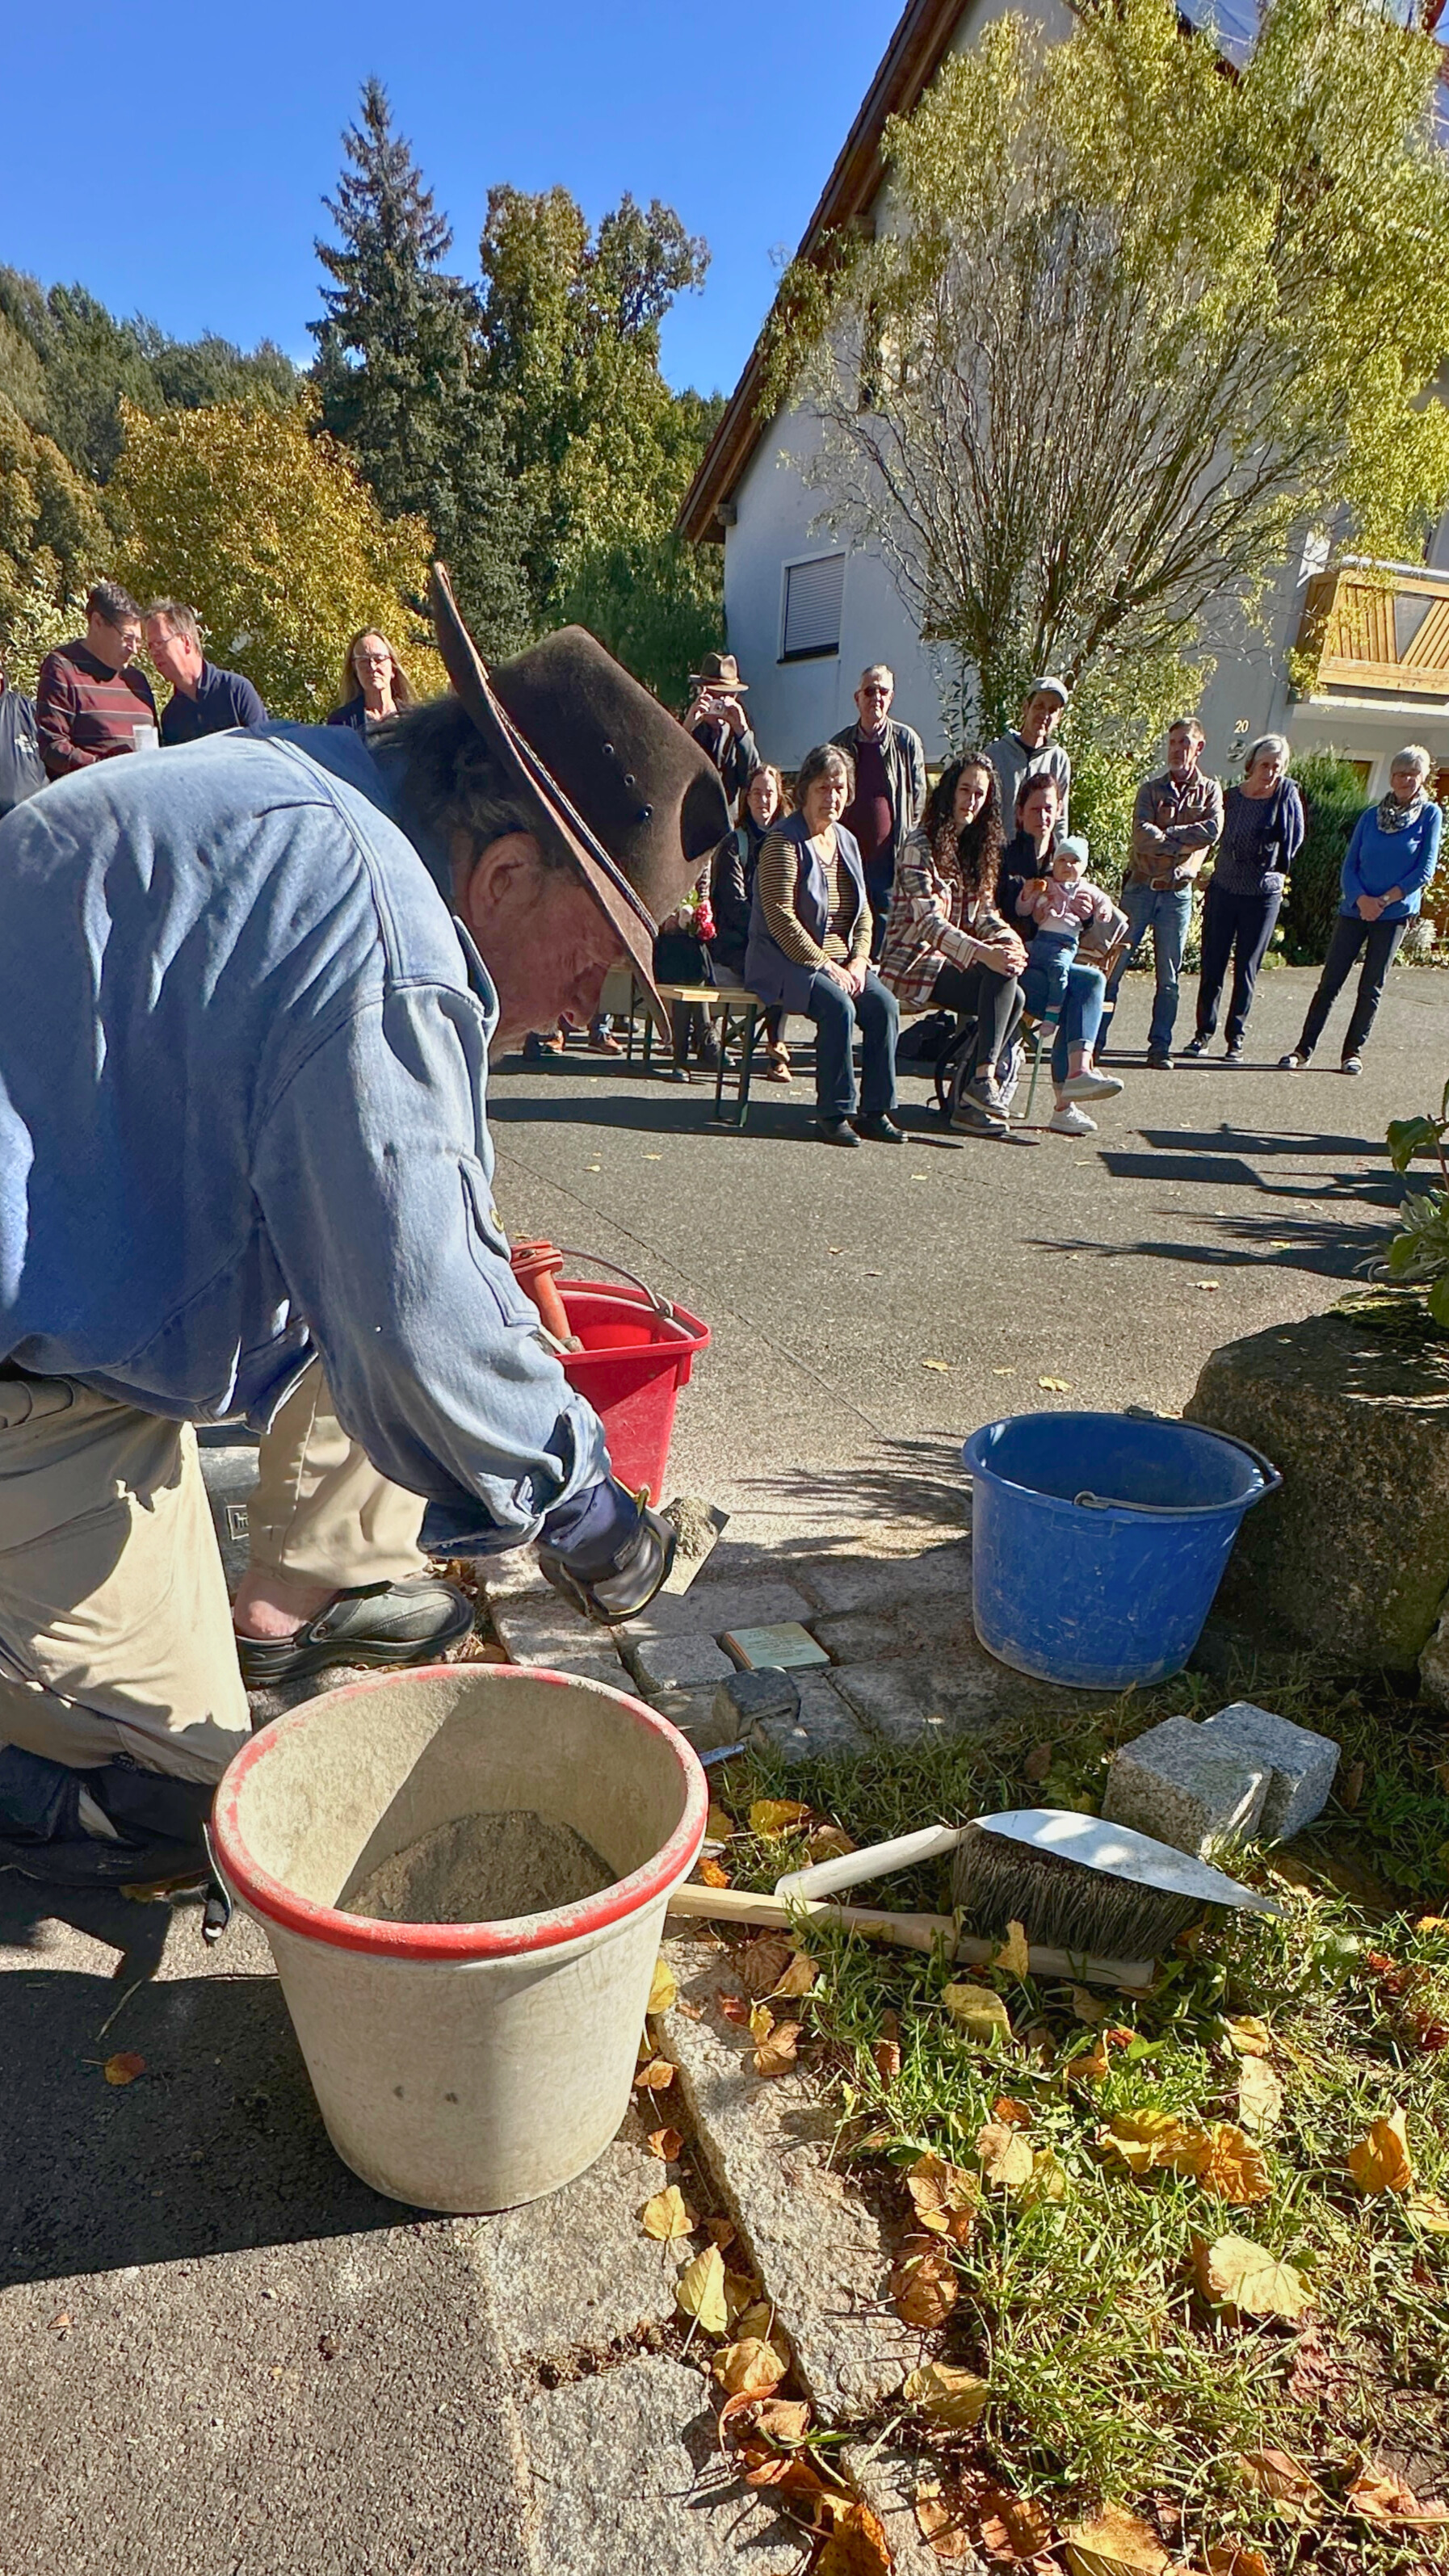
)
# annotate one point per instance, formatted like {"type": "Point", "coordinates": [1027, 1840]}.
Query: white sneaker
{"type": "Point", "coordinates": [1091, 1086]}
{"type": "Point", "coordinates": [1068, 1120]}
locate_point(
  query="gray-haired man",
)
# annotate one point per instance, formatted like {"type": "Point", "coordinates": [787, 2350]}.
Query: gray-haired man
{"type": "Point", "coordinates": [890, 788]}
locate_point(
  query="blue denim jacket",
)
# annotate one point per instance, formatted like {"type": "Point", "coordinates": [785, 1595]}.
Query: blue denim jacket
{"type": "Point", "coordinates": [243, 1066]}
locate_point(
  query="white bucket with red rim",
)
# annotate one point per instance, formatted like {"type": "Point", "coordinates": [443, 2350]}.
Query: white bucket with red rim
{"type": "Point", "coordinates": [462, 2066]}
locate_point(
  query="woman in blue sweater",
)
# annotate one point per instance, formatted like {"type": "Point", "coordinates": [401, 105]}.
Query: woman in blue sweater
{"type": "Point", "coordinates": [1386, 867]}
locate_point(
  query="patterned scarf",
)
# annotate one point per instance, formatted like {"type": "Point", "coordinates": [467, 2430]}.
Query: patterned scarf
{"type": "Point", "coordinates": [1394, 817]}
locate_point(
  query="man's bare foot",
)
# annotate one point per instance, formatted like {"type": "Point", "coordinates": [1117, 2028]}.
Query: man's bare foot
{"type": "Point", "coordinates": [274, 1606]}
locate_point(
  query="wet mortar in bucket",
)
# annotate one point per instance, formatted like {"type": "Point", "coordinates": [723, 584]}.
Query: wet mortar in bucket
{"type": "Point", "coordinates": [488, 1868]}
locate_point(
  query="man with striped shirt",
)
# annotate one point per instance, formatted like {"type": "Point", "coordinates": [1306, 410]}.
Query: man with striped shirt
{"type": "Point", "coordinates": [92, 699]}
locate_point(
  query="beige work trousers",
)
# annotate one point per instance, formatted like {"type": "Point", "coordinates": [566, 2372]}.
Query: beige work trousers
{"type": "Point", "coordinates": [115, 1628]}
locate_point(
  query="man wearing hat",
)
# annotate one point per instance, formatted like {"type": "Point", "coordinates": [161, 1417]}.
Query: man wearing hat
{"type": "Point", "coordinates": [246, 1008]}
{"type": "Point", "coordinates": [716, 720]}
{"type": "Point", "coordinates": [1030, 749]}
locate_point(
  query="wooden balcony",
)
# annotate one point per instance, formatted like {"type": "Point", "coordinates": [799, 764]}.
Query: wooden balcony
{"type": "Point", "coordinates": [1379, 629]}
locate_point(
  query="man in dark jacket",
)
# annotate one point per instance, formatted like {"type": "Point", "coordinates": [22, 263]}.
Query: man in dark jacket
{"type": "Point", "coordinates": [890, 788]}
{"type": "Point", "coordinates": [203, 699]}
{"type": "Point", "coordinates": [21, 768]}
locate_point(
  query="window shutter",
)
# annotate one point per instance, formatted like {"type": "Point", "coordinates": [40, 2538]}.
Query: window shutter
{"type": "Point", "coordinates": [812, 608]}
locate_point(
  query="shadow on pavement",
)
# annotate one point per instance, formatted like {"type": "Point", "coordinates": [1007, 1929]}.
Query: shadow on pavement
{"type": "Point", "coordinates": [901, 1483]}
{"type": "Point", "coordinates": [218, 2146]}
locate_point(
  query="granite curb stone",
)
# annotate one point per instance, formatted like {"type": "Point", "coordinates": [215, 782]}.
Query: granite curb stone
{"type": "Point", "coordinates": [823, 1727]}
{"type": "Point", "coordinates": [1177, 1785]}
{"type": "Point", "coordinates": [674, 1663]}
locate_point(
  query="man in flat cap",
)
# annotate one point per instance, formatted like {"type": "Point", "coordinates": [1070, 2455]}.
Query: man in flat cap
{"type": "Point", "coordinates": [246, 1008]}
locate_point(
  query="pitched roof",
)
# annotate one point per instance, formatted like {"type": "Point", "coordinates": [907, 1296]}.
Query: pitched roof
{"type": "Point", "coordinates": [912, 59]}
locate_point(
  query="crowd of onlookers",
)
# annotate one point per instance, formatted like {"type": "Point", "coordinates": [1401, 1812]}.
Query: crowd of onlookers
{"type": "Point", "coordinates": [869, 892]}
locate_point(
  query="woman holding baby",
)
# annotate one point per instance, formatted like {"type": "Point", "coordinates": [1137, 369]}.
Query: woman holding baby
{"type": "Point", "coordinates": [1044, 883]}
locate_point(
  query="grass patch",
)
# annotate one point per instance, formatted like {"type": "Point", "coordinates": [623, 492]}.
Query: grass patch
{"type": "Point", "coordinates": [1110, 2375]}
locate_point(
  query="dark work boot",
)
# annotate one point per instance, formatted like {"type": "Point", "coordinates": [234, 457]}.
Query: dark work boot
{"type": "Point", "coordinates": [375, 1623]}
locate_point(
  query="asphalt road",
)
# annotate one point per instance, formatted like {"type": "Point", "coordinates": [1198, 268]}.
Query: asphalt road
{"type": "Point", "coordinates": [1211, 1203]}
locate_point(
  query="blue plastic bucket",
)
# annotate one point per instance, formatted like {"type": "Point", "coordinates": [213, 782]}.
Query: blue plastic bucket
{"type": "Point", "coordinates": [1098, 1541]}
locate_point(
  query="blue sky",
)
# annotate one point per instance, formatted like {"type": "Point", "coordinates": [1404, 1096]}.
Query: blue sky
{"type": "Point", "coordinates": [174, 162]}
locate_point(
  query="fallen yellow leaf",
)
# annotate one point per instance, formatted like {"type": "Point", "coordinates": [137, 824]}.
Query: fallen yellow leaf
{"type": "Point", "coordinates": [1006, 2157]}
{"type": "Point", "coordinates": [666, 2216]}
{"type": "Point", "coordinates": [1232, 2168]}
{"type": "Point", "coordinates": [664, 2143]}
{"type": "Point", "coordinates": [124, 2067]}
{"type": "Point", "coordinates": [1235, 2558]}
{"type": "Point", "coordinates": [1260, 2096]}
{"type": "Point", "coordinates": [718, 1827]}
{"type": "Point", "coordinates": [798, 1979]}
{"type": "Point", "coordinates": [655, 2075]}
{"type": "Point", "coordinates": [830, 1842]}
{"type": "Point", "coordinates": [1276, 2474]}
{"type": "Point", "coordinates": [1089, 2066]}
{"type": "Point", "coordinates": [663, 1992]}
{"type": "Point", "coordinates": [1003, 1372]}
{"type": "Point", "coordinates": [699, 2292]}
{"type": "Point", "coordinates": [1014, 2527]}
{"type": "Point", "coordinates": [756, 2318]}
{"type": "Point", "coordinates": [944, 1366]}
{"type": "Point", "coordinates": [1146, 2140]}
{"type": "Point", "coordinates": [1378, 2495]}
{"type": "Point", "coordinates": [1235, 2273]}
{"type": "Point", "coordinates": [923, 2284]}
{"type": "Point", "coordinates": [1381, 2162]}
{"type": "Point", "coordinates": [954, 2398]}
{"type": "Point", "coordinates": [775, 2042]}
{"type": "Point", "coordinates": [1113, 2542]}
{"type": "Point", "coordinates": [942, 2524]}
{"type": "Point", "coordinates": [1015, 2115]}
{"type": "Point", "coordinates": [712, 1875]}
{"type": "Point", "coordinates": [1087, 2006]}
{"type": "Point", "coordinates": [750, 2368]}
{"type": "Point", "coordinates": [981, 2014]}
{"type": "Point", "coordinates": [856, 2547]}
{"type": "Point", "coordinates": [770, 1817]}
{"type": "Point", "coordinates": [1056, 1385]}
{"type": "Point", "coordinates": [1432, 1923]}
{"type": "Point", "coordinates": [1013, 1957]}
{"type": "Point", "coordinates": [1248, 2035]}
{"type": "Point", "coordinates": [1048, 2178]}
{"type": "Point", "coordinates": [782, 2419]}
{"type": "Point", "coordinates": [1426, 2209]}
{"type": "Point", "coordinates": [945, 2199]}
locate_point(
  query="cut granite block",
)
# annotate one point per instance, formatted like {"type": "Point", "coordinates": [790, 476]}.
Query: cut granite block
{"type": "Point", "coordinates": [1300, 1764]}
{"type": "Point", "coordinates": [675, 1663]}
{"type": "Point", "coordinates": [548, 1632]}
{"type": "Point", "coordinates": [889, 1700]}
{"type": "Point", "coordinates": [821, 1728]}
{"type": "Point", "coordinates": [748, 1699]}
{"type": "Point", "coordinates": [1176, 1785]}
{"type": "Point", "coordinates": [514, 1577]}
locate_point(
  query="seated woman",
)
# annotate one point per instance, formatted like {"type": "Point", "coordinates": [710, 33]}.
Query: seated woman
{"type": "Point", "coordinates": [1027, 859]}
{"type": "Point", "coordinates": [946, 946]}
{"type": "Point", "coordinates": [731, 889]}
{"type": "Point", "coordinates": [809, 951]}
{"type": "Point", "coordinates": [1387, 865]}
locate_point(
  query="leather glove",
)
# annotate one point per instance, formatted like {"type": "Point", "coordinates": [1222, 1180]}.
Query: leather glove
{"type": "Point", "coordinates": [614, 1573]}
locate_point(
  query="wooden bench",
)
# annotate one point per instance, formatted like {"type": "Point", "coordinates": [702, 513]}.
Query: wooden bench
{"type": "Point", "coordinates": [738, 1013]}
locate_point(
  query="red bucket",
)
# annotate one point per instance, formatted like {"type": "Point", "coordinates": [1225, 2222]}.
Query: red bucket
{"type": "Point", "coordinates": [638, 1352]}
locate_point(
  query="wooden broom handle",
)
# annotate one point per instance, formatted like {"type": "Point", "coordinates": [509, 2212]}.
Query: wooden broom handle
{"type": "Point", "coordinates": [907, 1931]}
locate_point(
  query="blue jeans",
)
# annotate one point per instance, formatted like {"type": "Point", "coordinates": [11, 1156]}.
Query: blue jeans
{"type": "Point", "coordinates": [835, 1014]}
{"type": "Point", "coordinates": [1081, 1007]}
{"type": "Point", "coordinates": [1166, 911]}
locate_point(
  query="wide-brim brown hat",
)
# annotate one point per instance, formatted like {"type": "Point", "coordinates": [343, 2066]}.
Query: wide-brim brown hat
{"type": "Point", "coordinates": [721, 673]}
{"type": "Point", "coordinates": [603, 772]}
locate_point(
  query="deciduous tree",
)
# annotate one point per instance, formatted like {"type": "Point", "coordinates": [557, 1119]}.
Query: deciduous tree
{"type": "Point", "coordinates": [269, 531]}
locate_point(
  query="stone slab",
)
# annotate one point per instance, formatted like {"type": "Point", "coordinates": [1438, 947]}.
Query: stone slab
{"type": "Point", "coordinates": [624, 2473]}
{"type": "Point", "coordinates": [938, 1622]}
{"type": "Point", "coordinates": [544, 2306]}
{"type": "Point", "coordinates": [548, 1631]}
{"type": "Point", "coordinates": [963, 1692]}
{"type": "Point", "coordinates": [820, 2249]}
{"type": "Point", "coordinates": [1301, 1765]}
{"type": "Point", "coordinates": [748, 1699]}
{"type": "Point", "coordinates": [707, 1609]}
{"type": "Point", "coordinates": [887, 2479]}
{"type": "Point", "coordinates": [1178, 1786]}
{"type": "Point", "coordinates": [514, 1577]}
{"type": "Point", "coordinates": [859, 1582]}
{"type": "Point", "coordinates": [822, 1729]}
{"type": "Point", "coordinates": [894, 1702]}
{"type": "Point", "coordinates": [675, 1663]}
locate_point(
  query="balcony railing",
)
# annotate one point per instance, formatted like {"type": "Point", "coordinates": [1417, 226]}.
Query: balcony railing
{"type": "Point", "coordinates": [1378, 627]}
